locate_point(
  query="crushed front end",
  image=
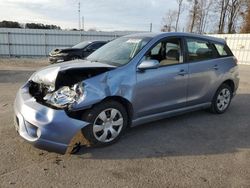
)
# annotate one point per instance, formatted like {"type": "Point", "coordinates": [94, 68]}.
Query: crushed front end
{"type": "Point", "coordinates": [44, 127]}
{"type": "Point", "coordinates": [42, 107]}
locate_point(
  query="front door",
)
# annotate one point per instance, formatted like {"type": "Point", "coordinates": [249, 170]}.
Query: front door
{"type": "Point", "coordinates": [165, 88]}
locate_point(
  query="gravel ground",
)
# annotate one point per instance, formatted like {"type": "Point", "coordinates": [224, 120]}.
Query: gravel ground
{"type": "Point", "coordinates": [197, 149]}
{"type": "Point", "coordinates": [22, 63]}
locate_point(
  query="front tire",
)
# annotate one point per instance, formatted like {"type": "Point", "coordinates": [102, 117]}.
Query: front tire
{"type": "Point", "coordinates": [108, 121]}
{"type": "Point", "coordinates": [222, 99]}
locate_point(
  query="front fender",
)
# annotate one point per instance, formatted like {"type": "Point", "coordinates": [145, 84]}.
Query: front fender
{"type": "Point", "coordinates": [95, 89]}
{"type": "Point", "coordinates": [112, 83]}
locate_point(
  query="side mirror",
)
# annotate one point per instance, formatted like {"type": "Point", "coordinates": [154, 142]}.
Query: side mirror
{"type": "Point", "coordinates": [148, 64]}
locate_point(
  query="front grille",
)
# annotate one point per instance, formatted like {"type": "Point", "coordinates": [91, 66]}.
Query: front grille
{"type": "Point", "coordinates": [38, 91]}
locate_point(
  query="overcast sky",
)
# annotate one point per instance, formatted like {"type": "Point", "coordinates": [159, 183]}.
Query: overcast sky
{"type": "Point", "coordinates": [99, 14]}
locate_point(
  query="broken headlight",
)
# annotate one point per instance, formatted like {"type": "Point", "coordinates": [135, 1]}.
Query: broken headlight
{"type": "Point", "coordinates": [66, 96]}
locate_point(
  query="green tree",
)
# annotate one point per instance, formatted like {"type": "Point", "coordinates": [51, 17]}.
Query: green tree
{"type": "Point", "coordinates": [40, 26]}
{"type": "Point", "coordinates": [10, 24]}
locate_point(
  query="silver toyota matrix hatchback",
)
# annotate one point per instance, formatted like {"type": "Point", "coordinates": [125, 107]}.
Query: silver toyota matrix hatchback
{"type": "Point", "coordinates": [129, 81]}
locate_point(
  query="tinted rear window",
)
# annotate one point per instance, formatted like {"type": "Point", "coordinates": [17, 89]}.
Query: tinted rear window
{"type": "Point", "coordinates": [223, 50]}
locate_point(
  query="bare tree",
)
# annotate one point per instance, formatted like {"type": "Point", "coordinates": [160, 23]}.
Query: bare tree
{"type": "Point", "coordinates": [200, 12]}
{"type": "Point", "coordinates": [235, 9]}
{"type": "Point", "coordinates": [227, 14]}
{"type": "Point", "coordinates": [223, 12]}
{"type": "Point", "coordinates": [204, 11]}
{"type": "Point", "coordinates": [193, 14]}
{"type": "Point", "coordinates": [180, 3]}
{"type": "Point", "coordinates": [168, 21]}
{"type": "Point", "coordinates": [231, 11]}
{"type": "Point", "coordinates": [246, 26]}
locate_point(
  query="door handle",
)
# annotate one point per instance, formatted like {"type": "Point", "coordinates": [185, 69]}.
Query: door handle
{"type": "Point", "coordinates": [182, 72]}
{"type": "Point", "coordinates": [216, 67]}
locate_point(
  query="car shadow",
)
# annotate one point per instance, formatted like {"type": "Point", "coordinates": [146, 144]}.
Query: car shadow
{"type": "Point", "coordinates": [196, 133]}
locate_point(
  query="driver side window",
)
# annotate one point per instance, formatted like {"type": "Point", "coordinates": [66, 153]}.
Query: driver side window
{"type": "Point", "coordinates": [167, 52]}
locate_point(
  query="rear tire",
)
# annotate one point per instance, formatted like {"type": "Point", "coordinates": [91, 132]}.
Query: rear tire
{"type": "Point", "coordinates": [108, 121]}
{"type": "Point", "coordinates": [222, 99]}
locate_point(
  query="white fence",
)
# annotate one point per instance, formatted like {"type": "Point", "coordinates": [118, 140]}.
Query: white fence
{"type": "Point", "coordinates": [239, 44]}
{"type": "Point", "coordinates": [37, 42]}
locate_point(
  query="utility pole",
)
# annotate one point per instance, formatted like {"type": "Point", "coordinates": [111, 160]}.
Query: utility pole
{"type": "Point", "coordinates": [150, 27]}
{"type": "Point", "coordinates": [83, 23]}
{"type": "Point", "coordinates": [79, 15]}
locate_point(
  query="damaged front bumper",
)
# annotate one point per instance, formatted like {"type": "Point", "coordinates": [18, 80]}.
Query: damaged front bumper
{"type": "Point", "coordinates": [44, 127]}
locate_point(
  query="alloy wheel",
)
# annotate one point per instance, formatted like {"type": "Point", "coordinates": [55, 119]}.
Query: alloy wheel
{"type": "Point", "coordinates": [108, 125]}
{"type": "Point", "coordinates": [223, 99]}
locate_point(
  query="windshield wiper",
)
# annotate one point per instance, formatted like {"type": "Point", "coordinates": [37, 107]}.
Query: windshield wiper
{"type": "Point", "coordinates": [104, 62]}
{"type": "Point", "coordinates": [110, 63]}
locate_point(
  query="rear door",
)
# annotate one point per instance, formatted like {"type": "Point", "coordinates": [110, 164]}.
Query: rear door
{"type": "Point", "coordinates": [203, 70]}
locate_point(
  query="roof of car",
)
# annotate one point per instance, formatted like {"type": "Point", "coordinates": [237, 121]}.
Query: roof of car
{"type": "Point", "coordinates": [99, 41]}
{"type": "Point", "coordinates": [92, 41]}
{"type": "Point", "coordinates": [172, 34]}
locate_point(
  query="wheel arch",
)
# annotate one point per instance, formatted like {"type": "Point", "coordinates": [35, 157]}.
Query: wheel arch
{"type": "Point", "coordinates": [214, 108]}
{"type": "Point", "coordinates": [230, 83]}
{"type": "Point", "coordinates": [128, 106]}
{"type": "Point", "coordinates": [123, 101]}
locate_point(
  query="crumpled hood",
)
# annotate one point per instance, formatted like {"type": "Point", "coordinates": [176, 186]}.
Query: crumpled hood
{"type": "Point", "coordinates": [63, 50]}
{"type": "Point", "coordinates": [48, 75]}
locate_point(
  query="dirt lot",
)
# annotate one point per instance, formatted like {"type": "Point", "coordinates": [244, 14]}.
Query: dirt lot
{"type": "Point", "coordinates": [197, 149]}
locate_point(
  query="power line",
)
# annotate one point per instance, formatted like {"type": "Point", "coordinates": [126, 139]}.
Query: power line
{"type": "Point", "coordinates": [83, 23]}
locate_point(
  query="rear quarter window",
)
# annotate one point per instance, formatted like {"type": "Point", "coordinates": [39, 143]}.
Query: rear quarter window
{"type": "Point", "coordinates": [223, 50]}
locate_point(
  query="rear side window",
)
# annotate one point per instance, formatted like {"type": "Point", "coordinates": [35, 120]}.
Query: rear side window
{"type": "Point", "coordinates": [222, 50]}
{"type": "Point", "coordinates": [199, 50]}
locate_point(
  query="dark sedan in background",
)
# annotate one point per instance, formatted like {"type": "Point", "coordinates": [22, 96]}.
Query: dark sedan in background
{"type": "Point", "coordinates": [79, 51]}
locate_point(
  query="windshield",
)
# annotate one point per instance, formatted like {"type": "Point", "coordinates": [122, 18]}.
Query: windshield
{"type": "Point", "coordinates": [82, 44]}
{"type": "Point", "coordinates": [120, 51]}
